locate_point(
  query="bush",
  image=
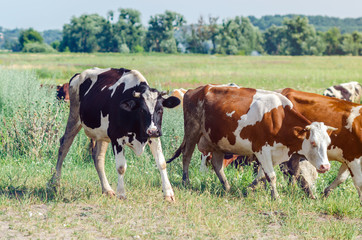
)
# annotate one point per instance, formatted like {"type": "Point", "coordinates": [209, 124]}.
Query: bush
{"type": "Point", "coordinates": [124, 48]}
{"type": "Point", "coordinates": [138, 49]}
{"type": "Point", "coordinates": [38, 48]}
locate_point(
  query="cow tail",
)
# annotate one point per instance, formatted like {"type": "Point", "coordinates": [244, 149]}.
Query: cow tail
{"type": "Point", "coordinates": [178, 152]}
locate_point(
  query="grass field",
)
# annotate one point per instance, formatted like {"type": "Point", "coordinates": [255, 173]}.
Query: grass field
{"type": "Point", "coordinates": [32, 123]}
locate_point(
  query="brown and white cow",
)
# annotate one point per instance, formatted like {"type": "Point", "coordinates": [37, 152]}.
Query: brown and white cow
{"type": "Point", "coordinates": [346, 142]}
{"type": "Point", "coordinates": [117, 106]}
{"type": "Point", "coordinates": [351, 91]}
{"type": "Point", "coordinates": [63, 92]}
{"type": "Point", "coordinates": [247, 121]}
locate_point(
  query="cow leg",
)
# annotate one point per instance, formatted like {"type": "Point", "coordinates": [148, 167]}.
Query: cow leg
{"type": "Point", "coordinates": [355, 168]}
{"type": "Point", "coordinates": [342, 176]}
{"type": "Point", "coordinates": [71, 130]}
{"type": "Point", "coordinates": [267, 165]}
{"type": "Point", "coordinates": [98, 155]}
{"type": "Point", "coordinates": [156, 149]}
{"type": "Point", "coordinates": [121, 166]}
{"type": "Point", "coordinates": [218, 165]}
{"type": "Point", "coordinates": [259, 177]}
{"type": "Point", "coordinates": [186, 157]}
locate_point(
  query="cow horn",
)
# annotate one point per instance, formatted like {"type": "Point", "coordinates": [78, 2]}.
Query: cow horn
{"type": "Point", "coordinates": [332, 128]}
{"type": "Point", "coordinates": [163, 93]}
{"type": "Point", "coordinates": [307, 127]}
{"type": "Point", "coordinates": [136, 94]}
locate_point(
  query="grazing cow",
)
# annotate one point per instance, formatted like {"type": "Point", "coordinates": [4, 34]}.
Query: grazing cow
{"type": "Point", "coordinates": [351, 91]}
{"type": "Point", "coordinates": [63, 92]}
{"type": "Point", "coordinates": [117, 106]}
{"type": "Point", "coordinates": [179, 93]}
{"type": "Point", "coordinates": [346, 142]}
{"type": "Point", "coordinates": [247, 121]}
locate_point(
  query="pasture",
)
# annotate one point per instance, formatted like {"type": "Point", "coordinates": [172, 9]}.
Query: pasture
{"type": "Point", "coordinates": [32, 122]}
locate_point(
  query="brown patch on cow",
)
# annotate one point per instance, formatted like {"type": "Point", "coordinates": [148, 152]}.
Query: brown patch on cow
{"type": "Point", "coordinates": [121, 170]}
{"type": "Point", "coordinates": [222, 100]}
{"type": "Point", "coordinates": [333, 112]}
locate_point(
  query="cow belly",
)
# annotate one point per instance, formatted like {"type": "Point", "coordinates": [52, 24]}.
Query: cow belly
{"type": "Point", "coordinates": [241, 146]}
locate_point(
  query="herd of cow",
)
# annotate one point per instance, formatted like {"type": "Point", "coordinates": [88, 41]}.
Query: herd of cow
{"type": "Point", "coordinates": [226, 122]}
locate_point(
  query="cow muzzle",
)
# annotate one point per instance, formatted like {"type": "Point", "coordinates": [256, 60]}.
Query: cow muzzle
{"type": "Point", "coordinates": [153, 133]}
{"type": "Point", "coordinates": [324, 168]}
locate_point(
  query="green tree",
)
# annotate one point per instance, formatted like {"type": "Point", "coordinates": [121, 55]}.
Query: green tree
{"type": "Point", "coordinates": [273, 39]}
{"type": "Point", "coordinates": [29, 36]}
{"type": "Point", "coordinates": [239, 36]}
{"type": "Point", "coordinates": [161, 29]}
{"type": "Point", "coordinates": [332, 38]}
{"type": "Point", "coordinates": [352, 43]}
{"type": "Point", "coordinates": [81, 34]}
{"type": "Point", "coordinates": [301, 38]}
{"type": "Point", "coordinates": [129, 30]}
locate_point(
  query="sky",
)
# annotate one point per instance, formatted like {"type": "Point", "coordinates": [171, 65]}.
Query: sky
{"type": "Point", "coordinates": [49, 14]}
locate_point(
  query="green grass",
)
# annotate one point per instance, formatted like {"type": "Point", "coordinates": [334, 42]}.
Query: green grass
{"type": "Point", "coordinates": [32, 123]}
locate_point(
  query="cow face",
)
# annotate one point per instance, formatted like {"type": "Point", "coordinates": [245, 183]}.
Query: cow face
{"type": "Point", "coordinates": [147, 106]}
{"type": "Point", "coordinates": [315, 143]}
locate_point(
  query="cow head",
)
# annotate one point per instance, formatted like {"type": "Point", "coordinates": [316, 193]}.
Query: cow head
{"type": "Point", "coordinates": [315, 142]}
{"type": "Point", "coordinates": [146, 105]}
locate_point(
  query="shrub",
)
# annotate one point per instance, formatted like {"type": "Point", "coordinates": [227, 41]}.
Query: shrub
{"type": "Point", "coordinates": [38, 48]}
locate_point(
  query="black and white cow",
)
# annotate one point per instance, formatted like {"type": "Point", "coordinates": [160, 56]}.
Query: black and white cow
{"type": "Point", "coordinates": [117, 106]}
{"type": "Point", "coordinates": [351, 91]}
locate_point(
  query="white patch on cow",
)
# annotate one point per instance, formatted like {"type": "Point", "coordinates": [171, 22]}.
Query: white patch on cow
{"type": "Point", "coordinates": [99, 133]}
{"type": "Point", "coordinates": [130, 79]}
{"type": "Point", "coordinates": [150, 100]}
{"type": "Point", "coordinates": [263, 102]}
{"type": "Point", "coordinates": [241, 146]}
{"type": "Point", "coordinates": [354, 113]}
{"type": "Point", "coordinates": [230, 114]}
{"type": "Point", "coordinates": [92, 74]}
{"type": "Point", "coordinates": [135, 145]}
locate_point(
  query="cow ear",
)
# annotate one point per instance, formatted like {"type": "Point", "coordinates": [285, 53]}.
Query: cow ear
{"type": "Point", "coordinates": [171, 102]}
{"type": "Point", "coordinates": [300, 132]}
{"type": "Point", "coordinates": [129, 105]}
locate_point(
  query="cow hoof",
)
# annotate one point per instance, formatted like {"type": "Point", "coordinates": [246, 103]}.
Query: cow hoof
{"type": "Point", "coordinates": [109, 193]}
{"type": "Point", "coordinates": [170, 199]}
{"type": "Point", "coordinates": [121, 198]}
{"type": "Point", "coordinates": [327, 191]}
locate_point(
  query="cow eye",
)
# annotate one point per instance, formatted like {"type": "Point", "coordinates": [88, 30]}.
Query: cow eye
{"type": "Point", "coordinates": [160, 111]}
{"type": "Point", "coordinates": [313, 144]}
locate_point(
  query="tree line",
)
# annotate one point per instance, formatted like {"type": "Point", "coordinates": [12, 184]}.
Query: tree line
{"type": "Point", "coordinates": [123, 32]}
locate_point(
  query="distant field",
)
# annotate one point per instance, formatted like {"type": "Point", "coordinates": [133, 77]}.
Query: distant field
{"type": "Point", "coordinates": [173, 71]}
{"type": "Point", "coordinates": [32, 121]}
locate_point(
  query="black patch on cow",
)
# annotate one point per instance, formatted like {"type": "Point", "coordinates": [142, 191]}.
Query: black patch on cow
{"type": "Point", "coordinates": [83, 88]}
{"type": "Point", "coordinates": [346, 95]}
{"type": "Point", "coordinates": [116, 146]}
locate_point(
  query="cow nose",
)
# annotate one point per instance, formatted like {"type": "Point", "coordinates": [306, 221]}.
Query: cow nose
{"type": "Point", "coordinates": [153, 133]}
{"type": "Point", "coordinates": [324, 168]}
